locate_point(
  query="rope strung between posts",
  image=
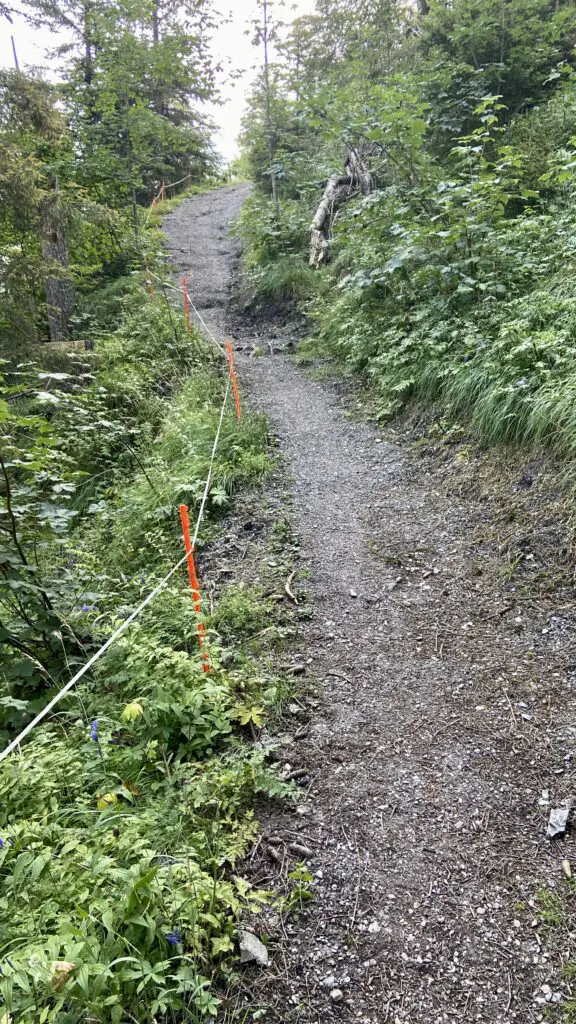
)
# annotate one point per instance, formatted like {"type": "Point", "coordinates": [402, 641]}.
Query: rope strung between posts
{"type": "Point", "coordinates": [212, 337]}
{"type": "Point", "coordinates": [172, 184]}
{"type": "Point", "coordinates": [137, 611]}
{"type": "Point", "coordinates": [160, 194]}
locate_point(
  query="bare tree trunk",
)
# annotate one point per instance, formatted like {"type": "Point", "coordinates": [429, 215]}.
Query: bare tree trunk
{"type": "Point", "coordinates": [338, 188]}
{"type": "Point", "coordinates": [88, 43]}
{"type": "Point", "coordinates": [159, 104]}
{"type": "Point", "coordinates": [57, 284]}
{"type": "Point", "coordinates": [269, 133]}
{"type": "Point", "coordinates": [358, 171]}
{"type": "Point", "coordinates": [338, 185]}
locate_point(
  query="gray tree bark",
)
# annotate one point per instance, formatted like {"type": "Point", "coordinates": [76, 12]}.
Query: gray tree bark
{"type": "Point", "coordinates": [269, 131]}
{"type": "Point", "coordinates": [57, 283]}
{"type": "Point", "coordinates": [338, 188]}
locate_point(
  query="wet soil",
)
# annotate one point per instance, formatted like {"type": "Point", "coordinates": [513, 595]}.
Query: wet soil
{"type": "Point", "coordinates": [443, 640]}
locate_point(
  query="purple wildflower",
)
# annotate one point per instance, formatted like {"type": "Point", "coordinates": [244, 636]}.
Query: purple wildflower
{"type": "Point", "coordinates": [86, 607]}
{"type": "Point", "coordinates": [94, 730]}
{"type": "Point", "coordinates": [1, 843]}
{"type": "Point", "coordinates": [174, 937]}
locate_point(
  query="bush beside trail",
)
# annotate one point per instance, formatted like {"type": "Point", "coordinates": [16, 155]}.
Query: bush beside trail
{"type": "Point", "coordinates": [123, 815]}
{"type": "Point", "coordinates": [448, 273]}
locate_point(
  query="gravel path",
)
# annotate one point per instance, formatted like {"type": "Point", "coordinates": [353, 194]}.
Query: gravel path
{"type": "Point", "coordinates": [446, 707]}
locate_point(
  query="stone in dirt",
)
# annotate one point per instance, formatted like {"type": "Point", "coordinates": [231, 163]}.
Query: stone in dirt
{"type": "Point", "coordinates": [251, 949]}
{"type": "Point", "coordinates": [558, 822]}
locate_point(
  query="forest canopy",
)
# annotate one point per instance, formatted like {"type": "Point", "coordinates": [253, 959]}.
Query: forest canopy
{"type": "Point", "coordinates": [81, 157]}
{"type": "Point", "coordinates": [442, 138]}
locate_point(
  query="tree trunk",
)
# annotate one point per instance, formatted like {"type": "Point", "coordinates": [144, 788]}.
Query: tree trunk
{"type": "Point", "coordinates": [158, 95]}
{"type": "Point", "coordinates": [88, 44]}
{"type": "Point", "coordinates": [57, 284]}
{"type": "Point", "coordinates": [358, 171]}
{"type": "Point", "coordinates": [339, 188]}
{"type": "Point", "coordinates": [269, 134]}
{"type": "Point", "coordinates": [335, 190]}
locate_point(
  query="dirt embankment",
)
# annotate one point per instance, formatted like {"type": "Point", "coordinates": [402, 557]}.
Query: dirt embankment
{"type": "Point", "coordinates": [443, 636]}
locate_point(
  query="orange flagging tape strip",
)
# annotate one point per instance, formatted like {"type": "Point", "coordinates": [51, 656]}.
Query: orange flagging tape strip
{"type": "Point", "coordinates": [194, 585]}
{"type": "Point", "coordinates": [233, 378]}
{"type": "Point", "coordinates": [186, 305]}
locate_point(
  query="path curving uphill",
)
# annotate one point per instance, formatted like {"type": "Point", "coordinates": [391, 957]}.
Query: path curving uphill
{"type": "Point", "coordinates": [445, 714]}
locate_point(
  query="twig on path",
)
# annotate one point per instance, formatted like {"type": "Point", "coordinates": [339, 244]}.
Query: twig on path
{"type": "Point", "coordinates": [256, 848]}
{"type": "Point", "coordinates": [339, 675]}
{"type": "Point", "coordinates": [386, 828]}
{"type": "Point", "coordinates": [465, 1010]}
{"type": "Point", "coordinates": [509, 1003]}
{"type": "Point", "coordinates": [288, 584]}
{"type": "Point", "coordinates": [355, 908]}
{"type": "Point", "coordinates": [511, 708]}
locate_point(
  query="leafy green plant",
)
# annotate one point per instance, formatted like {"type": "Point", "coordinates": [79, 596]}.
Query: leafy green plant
{"type": "Point", "coordinates": [301, 889]}
{"type": "Point", "coordinates": [123, 816]}
{"type": "Point", "coordinates": [241, 611]}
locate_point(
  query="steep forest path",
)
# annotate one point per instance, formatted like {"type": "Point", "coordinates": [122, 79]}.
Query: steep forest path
{"type": "Point", "coordinates": [446, 710]}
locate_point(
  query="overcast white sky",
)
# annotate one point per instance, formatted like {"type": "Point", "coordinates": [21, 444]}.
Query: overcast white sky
{"type": "Point", "coordinates": [231, 46]}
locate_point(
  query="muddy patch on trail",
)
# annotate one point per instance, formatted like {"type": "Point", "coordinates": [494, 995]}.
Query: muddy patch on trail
{"type": "Point", "coordinates": [443, 641]}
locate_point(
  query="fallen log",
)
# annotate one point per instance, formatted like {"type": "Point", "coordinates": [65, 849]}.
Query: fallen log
{"type": "Point", "coordinates": [358, 171]}
{"type": "Point", "coordinates": [338, 188]}
{"type": "Point", "coordinates": [333, 193]}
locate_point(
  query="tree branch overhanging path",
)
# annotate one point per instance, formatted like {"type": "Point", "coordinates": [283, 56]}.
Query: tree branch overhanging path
{"type": "Point", "coordinates": [422, 809]}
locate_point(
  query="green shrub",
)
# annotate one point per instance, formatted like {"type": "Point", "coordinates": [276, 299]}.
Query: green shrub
{"type": "Point", "coordinates": [241, 612]}
{"type": "Point", "coordinates": [123, 814]}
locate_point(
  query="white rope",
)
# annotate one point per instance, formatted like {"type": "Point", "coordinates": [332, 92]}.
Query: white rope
{"type": "Point", "coordinates": [166, 284]}
{"type": "Point", "coordinates": [174, 183]}
{"type": "Point", "coordinates": [211, 466]}
{"type": "Point", "coordinates": [127, 622]}
{"type": "Point", "coordinates": [209, 331]}
{"type": "Point", "coordinates": [158, 194]}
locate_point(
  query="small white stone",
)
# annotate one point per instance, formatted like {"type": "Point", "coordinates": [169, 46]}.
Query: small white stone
{"type": "Point", "coordinates": [252, 949]}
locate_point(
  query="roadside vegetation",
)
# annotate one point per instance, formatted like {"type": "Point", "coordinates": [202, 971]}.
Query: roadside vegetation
{"type": "Point", "coordinates": [123, 815]}
{"type": "Point", "coordinates": [447, 273]}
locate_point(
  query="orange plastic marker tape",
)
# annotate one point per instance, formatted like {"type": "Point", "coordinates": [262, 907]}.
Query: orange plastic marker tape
{"type": "Point", "coordinates": [194, 585]}
{"type": "Point", "coordinates": [233, 378]}
{"type": "Point", "coordinates": [186, 305]}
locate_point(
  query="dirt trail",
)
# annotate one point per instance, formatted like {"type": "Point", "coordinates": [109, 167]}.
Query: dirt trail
{"type": "Point", "coordinates": [446, 712]}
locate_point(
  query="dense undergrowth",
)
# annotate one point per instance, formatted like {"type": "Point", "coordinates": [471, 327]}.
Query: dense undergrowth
{"type": "Point", "coordinates": [123, 815]}
{"type": "Point", "coordinates": [451, 279]}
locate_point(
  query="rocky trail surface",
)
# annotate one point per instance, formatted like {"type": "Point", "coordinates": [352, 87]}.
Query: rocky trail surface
{"type": "Point", "coordinates": [445, 728]}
